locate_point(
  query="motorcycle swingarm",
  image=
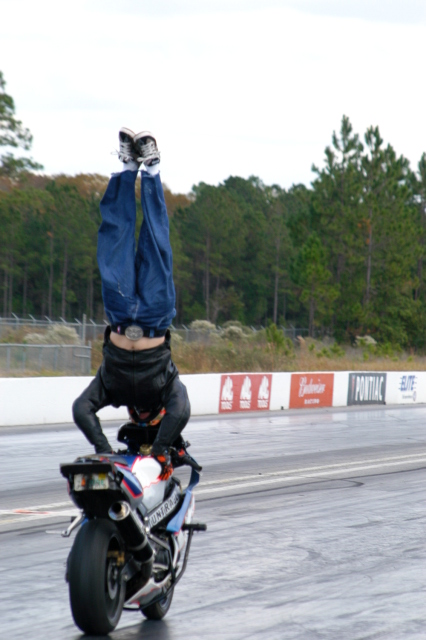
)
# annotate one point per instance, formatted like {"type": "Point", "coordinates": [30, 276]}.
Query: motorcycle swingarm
{"type": "Point", "coordinates": [174, 581]}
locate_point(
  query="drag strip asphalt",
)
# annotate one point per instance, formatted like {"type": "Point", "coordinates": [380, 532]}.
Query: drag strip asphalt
{"type": "Point", "coordinates": [316, 526]}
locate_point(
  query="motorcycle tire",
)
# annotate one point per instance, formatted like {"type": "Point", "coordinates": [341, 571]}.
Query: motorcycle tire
{"type": "Point", "coordinates": [95, 586]}
{"type": "Point", "coordinates": [158, 610]}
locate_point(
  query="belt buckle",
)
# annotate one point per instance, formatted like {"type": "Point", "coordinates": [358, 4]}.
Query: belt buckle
{"type": "Point", "coordinates": [133, 332]}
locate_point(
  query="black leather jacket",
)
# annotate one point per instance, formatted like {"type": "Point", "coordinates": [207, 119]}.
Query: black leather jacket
{"type": "Point", "coordinates": [147, 379]}
{"type": "Point", "coordinates": [137, 378]}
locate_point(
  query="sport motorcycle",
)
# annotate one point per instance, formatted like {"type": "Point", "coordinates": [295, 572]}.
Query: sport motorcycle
{"type": "Point", "coordinates": [135, 532]}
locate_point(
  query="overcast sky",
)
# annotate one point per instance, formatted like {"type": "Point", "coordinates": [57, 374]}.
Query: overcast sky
{"type": "Point", "coordinates": [229, 87]}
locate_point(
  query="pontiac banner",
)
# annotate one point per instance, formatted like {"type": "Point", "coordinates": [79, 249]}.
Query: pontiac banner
{"type": "Point", "coordinates": [367, 388]}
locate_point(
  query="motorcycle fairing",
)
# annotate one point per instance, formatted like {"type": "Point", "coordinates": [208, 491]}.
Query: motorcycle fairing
{"type": "Point", "coordinates": [175, 524]}
{"type": "Point", "coordinates": [130, 482]}
{"type": "Point", "coordinates": [81, 465]}
{"type": "Point", "coordinates": [121, 475]}
{"type": "Point", "coordinates": [165, 509]}
{"type": "Point", "coordinates": [148, 470]}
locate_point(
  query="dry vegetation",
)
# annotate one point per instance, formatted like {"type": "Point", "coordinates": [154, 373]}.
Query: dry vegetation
{"type": "Point", "coordinates": [255, 353]}
{"type": "Point", "coordinates": [237, 349]}
{"type": "Point", "coordinates": [55, 334]}
{"type": "Point", "coordinates": [229, 357]}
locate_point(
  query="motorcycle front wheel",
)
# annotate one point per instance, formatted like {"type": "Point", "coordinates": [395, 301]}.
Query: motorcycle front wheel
{"type": "Point", "coordinates": [96, 588]}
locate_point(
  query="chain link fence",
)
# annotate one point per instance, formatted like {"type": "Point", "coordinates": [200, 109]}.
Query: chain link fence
{"type": "Point", "coordinates": [87, 330]}
{"type": "Point", "coordinates": [193, 335]}
{"type": "Point", "coordinates": [75, 359]}
{"type": "Point", "coordinates": [18, 359]}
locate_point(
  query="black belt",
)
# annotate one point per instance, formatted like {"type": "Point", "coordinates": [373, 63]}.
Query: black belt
{"type": "Point", "coordinates": [135, 332]}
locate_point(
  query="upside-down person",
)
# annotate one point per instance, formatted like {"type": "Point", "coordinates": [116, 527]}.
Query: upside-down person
{"type": "Point", "coordinates": [139, 299]}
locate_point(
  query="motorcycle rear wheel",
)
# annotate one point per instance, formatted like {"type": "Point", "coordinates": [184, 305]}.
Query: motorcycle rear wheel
{"type": "Point", "coordinates": [95, 586]}
{"type": "Point", "coordinates": [158, 610]}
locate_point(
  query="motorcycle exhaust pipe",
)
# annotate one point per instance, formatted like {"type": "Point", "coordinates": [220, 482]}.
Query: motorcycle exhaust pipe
{"type": "Point", "coordinates": [132, 530]}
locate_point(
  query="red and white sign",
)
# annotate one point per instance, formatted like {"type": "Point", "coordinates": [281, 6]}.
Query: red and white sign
{"type": "Point", "coordinates": [311, 390]}
{"type": "Point", "coordinates": [245, 392]}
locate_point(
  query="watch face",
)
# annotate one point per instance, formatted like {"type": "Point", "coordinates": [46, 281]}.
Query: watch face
{"type": "Point", "coordinates": [133, 332]}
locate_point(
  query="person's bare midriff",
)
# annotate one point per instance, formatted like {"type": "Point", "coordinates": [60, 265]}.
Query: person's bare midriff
{"type": "Point", "coordinates": [122, 342]}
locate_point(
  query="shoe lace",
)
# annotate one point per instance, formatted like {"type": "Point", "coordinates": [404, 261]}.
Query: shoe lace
{"type": "Point", "coordinates": [126, 150]}
{"type": "Point", "coordinates": [149, 149]}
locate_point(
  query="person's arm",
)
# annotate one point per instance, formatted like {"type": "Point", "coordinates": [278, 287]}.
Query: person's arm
{"type": "Point", "coordinates": [84, 412]}
{"type": "Point", "coordinates": [178, 411]}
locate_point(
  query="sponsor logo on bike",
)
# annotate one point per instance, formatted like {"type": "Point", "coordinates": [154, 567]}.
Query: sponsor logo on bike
{"type": "Point", "coordinates": [165, 509]}
{"type": "Point", "coordinates": [367, 388]}
{"type": "Point", "coordinates": [245, 392]}
{"type": "Point", "coordinates": [311, 390]}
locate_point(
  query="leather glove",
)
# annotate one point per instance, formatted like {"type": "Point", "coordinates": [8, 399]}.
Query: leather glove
{"type": "Point", "coordinates": [179, 456]}
{"type": "Point", "coordinates": [166, 464]}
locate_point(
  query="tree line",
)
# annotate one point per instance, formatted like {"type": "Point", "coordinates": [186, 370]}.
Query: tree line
{"type": "Point", "coordinates": [344, 256]}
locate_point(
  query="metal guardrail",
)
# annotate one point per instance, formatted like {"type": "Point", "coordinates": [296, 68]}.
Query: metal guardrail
{"type": "Point", "coordinates": [37, 358]}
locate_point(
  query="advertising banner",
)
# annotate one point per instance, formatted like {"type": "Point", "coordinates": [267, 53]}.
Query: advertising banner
{"type": "Point", "coordinates": [406, 387]}
{"type": "Point", "coordinates": [245, 392]}
{"type": "Point", "coordinates": [311, 390]}
{"type": "Point", "coordinates": [367, 388]}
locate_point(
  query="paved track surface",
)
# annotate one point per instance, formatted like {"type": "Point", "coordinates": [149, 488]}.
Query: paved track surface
{"type": "Point", "coordinates": [316, 530]}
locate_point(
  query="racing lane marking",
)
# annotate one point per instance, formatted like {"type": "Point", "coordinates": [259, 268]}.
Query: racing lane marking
{"type": "Point", "coordinates": [407, 458]}
{"type": "Point", "coordinates": [298, 474]}
{"type": "Point", "coordinates": [46, 507]}
{"type": "Point", "coordinates": [38, 512]}
{"type": "Point", "coordinates": [28, 515]}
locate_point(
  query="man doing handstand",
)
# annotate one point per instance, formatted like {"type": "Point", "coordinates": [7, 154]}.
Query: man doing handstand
{"type": "Point", "coordinates": [139, 299]}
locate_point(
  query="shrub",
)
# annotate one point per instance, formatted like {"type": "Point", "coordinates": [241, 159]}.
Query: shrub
{"type": "Point", "coordinates": [364, 341]}
{"type": "Point", "coordinates": [384, 350]}
{"type": "Point", "coordinates": [247, 331]}
{"type": "Point", "coordinates": [324, 353]}
{"type": "Point", "coordinates": [56, 334]}
{"type": "Point", "coordinates": [233, 333]}
{"type": "Point", "coordinates": [336, 350]}
{"type": "Point", "coordinates": [276, 338]}
{"type": "Point", "coordinates": [232, 323]}
{"type": "Point", "coordinates": [202, 325]}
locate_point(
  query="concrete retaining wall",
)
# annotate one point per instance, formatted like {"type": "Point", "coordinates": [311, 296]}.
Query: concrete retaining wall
{"type": "Point", "coordinates": [25, 401]}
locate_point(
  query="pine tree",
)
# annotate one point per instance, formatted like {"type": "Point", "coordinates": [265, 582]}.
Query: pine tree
{"type": "Point", "coordinates": [391, 240]}
{"type": "Point", "coordinates": [13, 135]}
{"type": "Point", "coordinates": [310, 273]}
{"type": "Point", "coordinates": [336, 200]}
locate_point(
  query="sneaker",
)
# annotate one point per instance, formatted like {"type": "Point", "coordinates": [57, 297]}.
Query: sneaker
{"type": "Point", "coordinates": [146, 148]}
{"type": "Point", "coordinates": [126, 151]}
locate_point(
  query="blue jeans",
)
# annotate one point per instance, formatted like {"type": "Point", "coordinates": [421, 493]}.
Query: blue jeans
{"type": "Point", "coordinates": [137, 286]}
